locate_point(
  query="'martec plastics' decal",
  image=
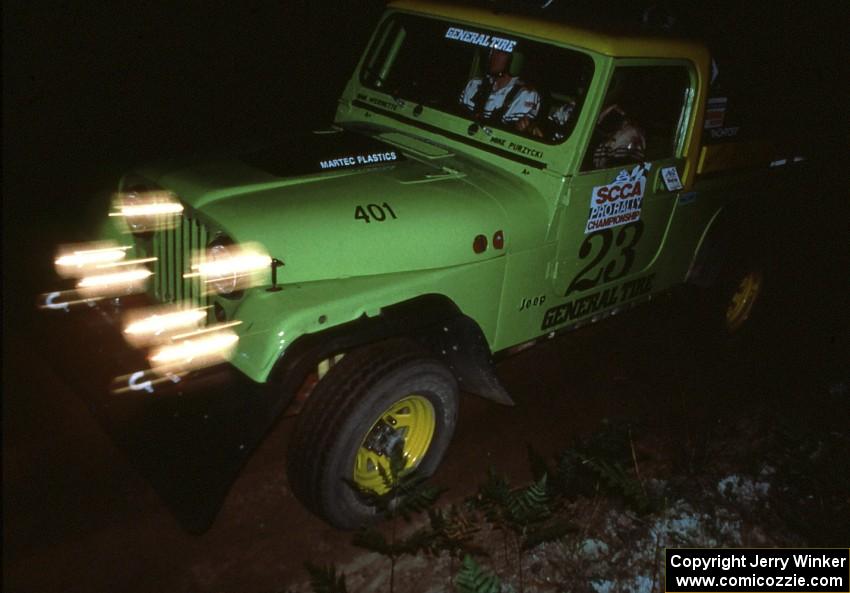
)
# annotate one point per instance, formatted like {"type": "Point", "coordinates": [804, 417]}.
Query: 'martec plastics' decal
{"type": "Point", "coordinates": [323, 151]}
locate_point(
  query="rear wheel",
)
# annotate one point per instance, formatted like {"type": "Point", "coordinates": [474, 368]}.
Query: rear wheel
{"type": "Point", "coordinates": [376, 398]}
{"type": "Point", "coordinates": [744, 296]}
{"type": "Point", "coordinates": [733, 304]}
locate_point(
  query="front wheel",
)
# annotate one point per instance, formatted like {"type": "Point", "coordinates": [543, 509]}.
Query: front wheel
{"type": "Point", "coordinates": [388, 395]}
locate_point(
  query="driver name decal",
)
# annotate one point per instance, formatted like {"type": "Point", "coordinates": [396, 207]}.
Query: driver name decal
{"type": "Point", "coordinates": [359, 159]}
{"type": "Point", "coordinates": [618, 202]}
{"type": "Point", "coordinates": [482, 39]}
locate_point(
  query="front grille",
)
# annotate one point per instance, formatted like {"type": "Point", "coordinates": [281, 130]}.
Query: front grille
{"type": "Point", "coordinates": [174, 249]}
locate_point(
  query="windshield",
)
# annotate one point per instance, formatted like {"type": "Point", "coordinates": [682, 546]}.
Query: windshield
{"type": "Point", "coordinates": [494, 78]}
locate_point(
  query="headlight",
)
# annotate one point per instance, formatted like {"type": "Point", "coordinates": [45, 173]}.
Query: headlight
{"type": "Point", "coordinates": [228, 268]}
{"type": "Point", "coordinates": [147, 209]}
{"type": "Point", "coordinates": [219, 269]}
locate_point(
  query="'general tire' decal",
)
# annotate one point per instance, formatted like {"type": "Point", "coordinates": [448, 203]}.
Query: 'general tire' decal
{"type": "Point", "coordinates": [597, 301]}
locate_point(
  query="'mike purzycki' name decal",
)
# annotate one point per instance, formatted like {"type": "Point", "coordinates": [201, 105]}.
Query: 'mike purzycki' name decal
{"type": "Point", "coordinates": [359, 159]}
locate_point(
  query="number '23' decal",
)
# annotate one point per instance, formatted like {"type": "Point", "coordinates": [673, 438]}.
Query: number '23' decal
{"type": "Point", "coordinates": [627, 239]}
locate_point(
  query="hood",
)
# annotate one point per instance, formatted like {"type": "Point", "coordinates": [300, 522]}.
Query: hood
{"type": "Point", "coordinates": [339, 204]}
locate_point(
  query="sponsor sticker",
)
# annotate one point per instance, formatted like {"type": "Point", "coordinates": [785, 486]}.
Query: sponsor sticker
{"type": "Point", "coordinates": [481, 39]}
{"type": "Point", "coordinates": [715, 113]}
{"type": "Point", "coordinates": [687, 198]}
{"type": "Point", "coordinates": [597, 301]}
{"type": "Point", "coordinates": [728, 132]}
{"type": "Point", "coordinates": [358, 160]}
{"type": "Point", "coordinates": [618, 202]}
{"type": "Point", "coordinates": [671, 178]}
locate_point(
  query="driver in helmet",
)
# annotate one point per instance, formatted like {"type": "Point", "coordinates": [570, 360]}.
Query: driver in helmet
{"type": "Point", "coordinates": [500, 97]}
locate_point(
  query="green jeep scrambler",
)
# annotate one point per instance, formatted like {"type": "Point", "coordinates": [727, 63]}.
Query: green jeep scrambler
{"type": "Point", "coordinates": [367, 273]}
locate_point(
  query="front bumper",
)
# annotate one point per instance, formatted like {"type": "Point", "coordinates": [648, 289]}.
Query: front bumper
{"type": "Point", "coordinates": [189, 438]}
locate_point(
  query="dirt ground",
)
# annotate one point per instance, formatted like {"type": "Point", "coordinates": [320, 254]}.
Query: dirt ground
{"type": "Point", "coordinates": [79, 518]}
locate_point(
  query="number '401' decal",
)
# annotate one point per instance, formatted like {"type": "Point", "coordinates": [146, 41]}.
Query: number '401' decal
{"type": "Point", "coordinates": [627, 239]}
{"type": "Point", "coordinates": [374, 212]}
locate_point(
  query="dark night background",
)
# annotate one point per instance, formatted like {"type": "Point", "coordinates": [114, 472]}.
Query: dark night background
{"type": "Point", "coordinates": [90, 88]}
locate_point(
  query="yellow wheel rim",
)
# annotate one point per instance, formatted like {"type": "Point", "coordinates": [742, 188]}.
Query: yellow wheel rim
{"type": "Point", "coordinates": [412, 419]}
{"type": "Point", "coordinates": [742, 301]}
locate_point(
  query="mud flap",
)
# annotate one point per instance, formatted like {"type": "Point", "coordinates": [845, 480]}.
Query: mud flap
{"type": "Point", "coordinates": [463, 346]}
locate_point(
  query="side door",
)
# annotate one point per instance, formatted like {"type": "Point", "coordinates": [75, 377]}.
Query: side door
{"type": "Point", "coordinates": [617, 208]}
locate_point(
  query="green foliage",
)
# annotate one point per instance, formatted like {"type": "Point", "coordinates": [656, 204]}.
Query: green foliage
{"type": "Point", "coordinates": [453, 531]}
{"type": "Point", "coordinates": [407, 493]}
{"type": "Point", "coordinates": [596, 463]}
{"type": "Point", "coordinates": [527, 514]}
{"type": "Point", "coordinates": [324, 579]}
{"type": "Point", "coordinates": [530, 505]}
{"type": "Point", "coordinates": [616, 479]}
{"type": "Point", "coordinates": [515, 509]}
{"type": "Point", "coordinates": [472, 579]}
{"type": "Point", "coordinates": [496, 490]}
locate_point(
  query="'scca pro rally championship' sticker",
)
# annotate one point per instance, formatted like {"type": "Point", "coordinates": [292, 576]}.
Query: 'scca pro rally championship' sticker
{"type": "Point", "coordinates": [619, 202]}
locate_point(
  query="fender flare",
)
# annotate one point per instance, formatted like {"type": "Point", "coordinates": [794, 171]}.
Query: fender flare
{"type": "Point", "coordinates": [712, 249]}
{"type": "Point", "coordinates": [434, 320]}
{"type": "Point", "coordinates": [735, 226]}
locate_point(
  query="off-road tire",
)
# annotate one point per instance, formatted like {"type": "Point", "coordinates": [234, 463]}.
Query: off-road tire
{"type": "Point", "coordinates": [731, 309]}
{"type": "Point", "coordinates": [342, 410]}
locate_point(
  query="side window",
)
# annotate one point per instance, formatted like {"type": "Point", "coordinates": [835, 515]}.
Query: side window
{"type": "Point", "coordinates": [642, 118]}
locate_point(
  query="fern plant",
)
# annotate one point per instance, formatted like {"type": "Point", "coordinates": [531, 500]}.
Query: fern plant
{"type": "Point", "coordinates": [405, 495]}
{"type": "Point", "coordinates": [324, 579]}
{"type": "Point", "coordinates": [616, 479]}
{"type": "Point", "coordinates": [596, 463]}
{"type": "Point", "coordinates": [524, 515]}
{"type": "Point", "coordinates": [472, 579]}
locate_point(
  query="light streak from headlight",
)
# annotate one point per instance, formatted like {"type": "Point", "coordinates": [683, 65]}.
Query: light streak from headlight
{"type": "Point", "coordinates": [129, 262]}
{"type": "Point", "coordinates": [143, 381]}
{"type": "Point", "coordinates": [206, 330]}
{"type": "Point", "coordinates": [238, 265]}
{"type": "Point", "coordinates": [228, 268]}
{"type": "Point", "coordinates": [194, 353]}
{"type": "Point", "coordinates": [74, 261]}
{"type": "Point", "coordinates": [114, 283]}
{"type": "Point", "coordinates": [149, 209]}
{"type": "Point", "coordinates": [63, 300]}
{"type": "Point", "coordinates": [157, 324]}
